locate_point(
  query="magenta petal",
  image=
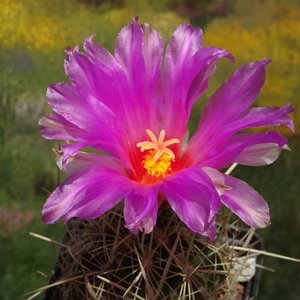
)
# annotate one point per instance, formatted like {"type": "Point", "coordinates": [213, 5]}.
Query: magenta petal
{"type": "Point", "coordinates": [112, 81]}
{"type": "Point", "coordinates": [139, 51]}
{"type": "Point", "coordinates": [186, 70]}
{"type": "Point", "coordinates": [82, 109]}
{"type": "Point", "coordinates": [227, 103]}
{"type": "Point", "coordinates": [109, 81]}
{"type": "Point", "coordinates": [233, 97]}
{"type": "Point", "coordinates": [226, 113]}
{"type": "Point", "coordinates": [260, 116]}
{"type": "Point", "coordinates": [153, 49]}
{"type": "Point", "coordinates": [200, 68]}
{"type": "Point", "coordinates": [87, 193]}
{"type": "Point", "coordinates": [54, 126]}
{"type": "Point", "coordinates": [187, 81]}
{"type": "Point", "coordinates": [253, 149]}
{"type": "Point", "coordinates": [102, 58]}
{"type": "Point", "coordinates": [184, 43]}
{"type": "Point", "coordinates": [217, 178]}
{"type": "Point", "coordinates": [83, 159]}
{"type": "Point", "coordinates": [259, 155]}
{"type": "Point", "coordinates": [96, 121]}
{"type": "Point", "coordinates": [70, 150]}
{"type": "Point", "coordinates": [246, 203]}
{"type": "Point", "coordinates": [259, 149]}
{"type": "Point", "coordinates": [129, 50]}
{"type": "Point", "coordinates": [96, 79]}
{"type": "Point", "coordinates": [140, 208]}
{"type": "Point", "coordinates": [193, 197]}
{"type": "Point", "coordinates": [83, 73]}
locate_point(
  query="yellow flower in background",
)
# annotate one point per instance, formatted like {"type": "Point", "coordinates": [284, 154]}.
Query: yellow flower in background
{"type": "Point", "coordinates": [46, 25]}
{"type": "Point", "coordinates": [11, 15]}
{"type": "Point", "coordinates": [28, 27]}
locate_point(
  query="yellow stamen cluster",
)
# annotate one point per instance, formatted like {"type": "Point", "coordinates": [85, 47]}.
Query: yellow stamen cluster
{"type": "Point", "coordinates": [158, 161]}
{"type": "Point", "coordinates": [157, 168]}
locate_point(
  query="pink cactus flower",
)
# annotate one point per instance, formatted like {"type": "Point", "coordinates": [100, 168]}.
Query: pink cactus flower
{"type": "Point", "coordinates": [133, 107]}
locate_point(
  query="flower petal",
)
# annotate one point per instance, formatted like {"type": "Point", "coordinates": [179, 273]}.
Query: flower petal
{"type": "Point", "coordinates": [193, 197]}
{"type": "Point", "coordinates": [259, 155]}
{"type": "Point", "coordinates": [253, 149]}
{"type": "Point", "coordinates": [83, 159]}
{"type": "Point", "coordinates": [122, 86]}
{"type": "Point", "coordinates": [139, 51]}
{"type": "Point", "coordinates": [260, 116]}
{"type": "Point", "coordinates": [140, 208]}
{"type": "Point", "coordinates": [217, 178]}
{"type": "Point", "coordinates": [240, 198]}
{"type": "Point", "coordinates": [54, 126]}
{"type": "Point", "coordinates": [200, 68]}
{"type": "Point", "coordinates": [246, 203]}
{"type": "Point", "coordinates": [226, 113]}
{"type": "Point", "coordinates": [129, 50]}
{"type": "Point", "coordinates": [82, 110]}
{"type": "Point", "coordinates": [233, 97]}
{"type": "Point", "coordinates": [96, 121]}
{"type": "Point", "coordinates": [186, 70]}
{"type": "Point", "coordinates": [259, 149]}
{"type": "Point", "coordinates": [153, 48]}
{"type": "Point", "coordinates": [87, 193]}
{"type": "Point", "coordinates": [98, 75]}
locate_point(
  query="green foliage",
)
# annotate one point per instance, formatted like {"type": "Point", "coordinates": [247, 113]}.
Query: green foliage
{"type": "Point", "coordinates": [22, 256]}
{"type": "Point", "coordinates": [27, 167]}
{"type": "Point", "coordinates": [7, 109]}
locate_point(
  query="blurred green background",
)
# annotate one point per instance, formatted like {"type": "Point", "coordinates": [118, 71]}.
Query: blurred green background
{"type": "Point", "coordinates": [33, 36]}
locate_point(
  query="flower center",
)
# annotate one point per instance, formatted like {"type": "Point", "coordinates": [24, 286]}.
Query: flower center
{"type": "Point", "coordinates": [158, 161]}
